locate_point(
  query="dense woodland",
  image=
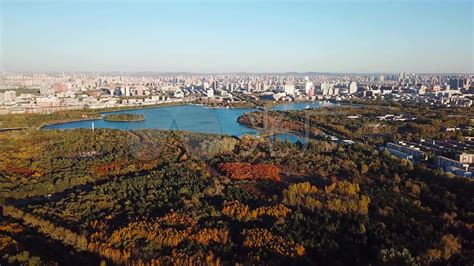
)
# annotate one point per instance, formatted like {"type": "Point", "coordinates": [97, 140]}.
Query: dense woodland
{"type": "Point", "coordinates": [81, 197]}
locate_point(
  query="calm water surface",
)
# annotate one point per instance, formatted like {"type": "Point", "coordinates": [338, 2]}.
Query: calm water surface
{"type": "Point", "coordinates": [190, 118]}
{"type": "Point", "coordinates": [287, 137]}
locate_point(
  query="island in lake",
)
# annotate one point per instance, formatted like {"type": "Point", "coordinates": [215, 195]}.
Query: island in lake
{"type": "Point", "coordinates": [124, 118]}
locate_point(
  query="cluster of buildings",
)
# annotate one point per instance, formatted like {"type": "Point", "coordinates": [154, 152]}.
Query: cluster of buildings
{"type": "Point", "coordinates": [449, 155]}
{"type": "Point", "coordinates": [51, 92]}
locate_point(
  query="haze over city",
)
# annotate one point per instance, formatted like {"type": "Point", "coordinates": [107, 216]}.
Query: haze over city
{"type": "Point", "coordinates": [238, 36]}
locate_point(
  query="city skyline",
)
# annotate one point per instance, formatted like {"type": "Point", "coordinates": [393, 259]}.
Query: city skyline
{"type": "Point", "coordinates": [289, 73]}
{"type": "Point", "coordinates": [217, 37]}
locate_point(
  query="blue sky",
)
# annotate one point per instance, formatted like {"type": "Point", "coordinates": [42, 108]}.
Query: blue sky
{"type": "Point", "coordinates": [233, 36]}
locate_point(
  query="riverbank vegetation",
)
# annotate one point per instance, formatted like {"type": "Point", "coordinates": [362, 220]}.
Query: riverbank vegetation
{"type": "Point", "coordinates": [371, 124]}
{"type": "Point", "coordinates": [124, 117]}
{"type": "Point", "coordinates": [170, 197]}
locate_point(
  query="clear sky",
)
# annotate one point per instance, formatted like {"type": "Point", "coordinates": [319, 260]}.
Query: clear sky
{"type": "Point", "coordinates": [225, 36]}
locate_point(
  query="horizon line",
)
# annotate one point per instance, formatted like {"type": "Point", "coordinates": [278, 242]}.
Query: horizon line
{"type": "Point", "coordinates": [238, 72]}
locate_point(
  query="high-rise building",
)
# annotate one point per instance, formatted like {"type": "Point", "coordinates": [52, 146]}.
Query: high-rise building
{"type": "Point", "coordinates": [326, 88]}
{"type": "Point", "coordinates": [215, 85]}
{"type": "Point", "coordinates": [230, 87]}
{"type": "Point", "coordinates": [125, 91]}
{"type": "Point", "coordinates": [352, 87]}
{"type": "Point", "coordinates": [257, 86]}
{"type": "Point", "coordinates": [401, 77]}
{"type": "Point", "coordinates": [453, 84]}
{"type": "Point", "coordinates": [308, 87]}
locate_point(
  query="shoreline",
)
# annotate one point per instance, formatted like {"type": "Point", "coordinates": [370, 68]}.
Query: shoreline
{"type": "Point", "coordinates": [101, 112]}
{"type": "Point", "coordinates": [274, 132]}
{"type": "Point", "coordinates": [66, 122]}
{"type": "Point", "coordinates": [12, 129]}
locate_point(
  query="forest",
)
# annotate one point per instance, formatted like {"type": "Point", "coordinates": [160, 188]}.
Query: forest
{"type": "Point", "coordinates": [153, 197]}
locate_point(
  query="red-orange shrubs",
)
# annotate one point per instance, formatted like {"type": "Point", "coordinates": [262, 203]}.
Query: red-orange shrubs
{"type": "Point", "coordinates": [242, 171]}
{"type": "Point", "coordinates": [23, 171]}
{"type": "Point", "coordinates": [107, 168]}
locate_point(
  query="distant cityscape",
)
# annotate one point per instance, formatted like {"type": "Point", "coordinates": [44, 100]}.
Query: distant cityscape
{"type": "Point", "coordinates": [46, 93]}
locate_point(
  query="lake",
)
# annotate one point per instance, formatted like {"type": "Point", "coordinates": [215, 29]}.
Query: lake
{"type": "Point", "coordinates": [194, 118]}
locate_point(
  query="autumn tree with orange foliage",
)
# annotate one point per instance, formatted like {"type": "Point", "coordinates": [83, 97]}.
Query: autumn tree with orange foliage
{"type": "Point", "coordinates": [444, 249]}
{"type": "Point", "coordinates": [236, 210]}
{"type": "Point", "coordinates": [122, 245]}
{"type": "Point", "coordinates": [262, 238]}
{"type": "Point", "coordinates": [242, 212]}
{"type": "Point", "coordinates": [207, 235]}
{"type": "Point", "coordinates": [176, 258]}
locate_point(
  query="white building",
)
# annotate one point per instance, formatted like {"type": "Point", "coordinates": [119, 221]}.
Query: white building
{"type": "Point", "coordinates": [178, 94]}
{"type": "Point", "coordinates": [230, 87]}
{"type": "Point", "coordinates": [289, 88]}
{"type": "Point", "coordinates": [44, 90]}
{"type": "Point", "coordinates": [308, 86]}
{"type": "Point", "coordinates": [327, 89]}
{"type": "Point", "coordinates": [210, 93]}
{"type": "Point", "coordinates": [416, 153]}
{"type": "Point", "coordinates": [422, 89]}
{"type": "Point", "coordinates": [138, 90]}
{"type": "Point", "coordinates": [466, 158]}
{"type": "Point", "coordinates": [10, 96]}
{"type": "Point", "coordinates": [125, 91]}
{"type": "Point", "coordinates": [352, 87]}
{"type": "Point", "coordinates": [48, 102]}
